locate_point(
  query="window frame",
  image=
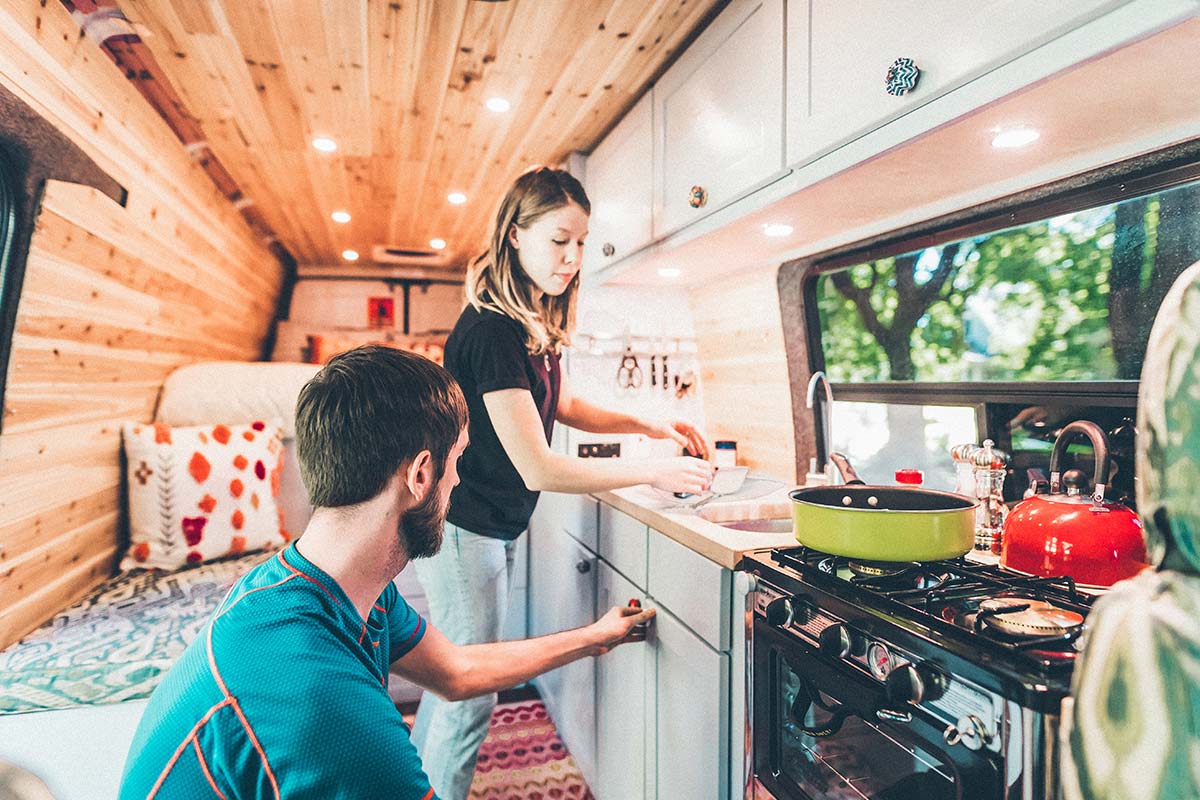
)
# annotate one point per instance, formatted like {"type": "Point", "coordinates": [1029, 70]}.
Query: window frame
{"type": "Point", "coordinates": [1126, 180]}
{"type": "Point", "coordinates": [10, 281]}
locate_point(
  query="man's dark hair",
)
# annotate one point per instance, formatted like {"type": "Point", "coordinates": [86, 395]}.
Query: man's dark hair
{"type": "Point", "coordinates": [365, 414]}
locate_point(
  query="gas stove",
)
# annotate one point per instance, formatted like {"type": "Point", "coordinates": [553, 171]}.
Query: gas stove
{"type": "Point", "coordinates": [881, 679]}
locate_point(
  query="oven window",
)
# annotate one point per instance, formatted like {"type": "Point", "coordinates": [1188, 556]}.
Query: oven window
{"type": "Point", "coordinates": [860, 761]}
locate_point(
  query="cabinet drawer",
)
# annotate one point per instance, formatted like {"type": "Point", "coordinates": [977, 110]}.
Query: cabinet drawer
{"type": "Point", "coordinates": [719, 114]}
{"type": "Point", "coordinates": [620, 185]}
{"type": "Point", "coordinates": [691, 587]}
{"type": "Point", "coordinates": [623, 543]}
{"type": "Point", "coordinates": [576, 514]}
{"type": "Point", "coordinates": [853, 43]}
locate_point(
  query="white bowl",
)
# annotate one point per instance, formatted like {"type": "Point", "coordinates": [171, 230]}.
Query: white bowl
{"type": "Point", "coordinates": [728, 480]}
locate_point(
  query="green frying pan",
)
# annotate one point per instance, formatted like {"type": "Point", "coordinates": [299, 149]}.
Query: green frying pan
{"type": "Point", "coordinates": [883, 523]}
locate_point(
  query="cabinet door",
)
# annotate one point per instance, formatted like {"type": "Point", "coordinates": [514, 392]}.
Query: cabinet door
{"type": "Point", "coordinates": [854, 43]}
{"type": "Point", "coordinates": [692, 720]}
{"type": "Point", "coordinates": [562, 595]}
{"type": "Point", "coordinates": [719, 113]}
{"type": "Point", "coordinates": [620, 186]}
{"type": "Point", "coordinates": [623, 542]}
{"type": "Point", "coordinates": [623, 686]}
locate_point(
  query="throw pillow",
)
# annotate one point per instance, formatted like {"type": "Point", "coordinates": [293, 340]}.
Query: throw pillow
{"type": "Point", "coordinates": [201, 492]}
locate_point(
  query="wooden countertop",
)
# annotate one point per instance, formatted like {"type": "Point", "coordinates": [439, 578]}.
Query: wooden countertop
{"type": "Point", "coordinates": [725, 546]}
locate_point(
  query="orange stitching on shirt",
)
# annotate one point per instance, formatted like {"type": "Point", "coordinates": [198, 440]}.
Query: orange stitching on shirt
{"type": "Point", "coordinates": [308, 578]}
{"type": "Point", "coordinates": [204, 767]}
{"type": "Point", "coordinates": [237, 709]}
{"type": "Point", "coordinates": [379, 607]}
{"type": "Point", "coordinates": [364, 633]}
{"type": "Point", "coordinates": [183, 746]}
{"type": "Point", "coordinates": [212, 663]}
{"type": "Point", "coordinates": [428, 795]}
{"type": "Point", "coordinates": [416, 630]}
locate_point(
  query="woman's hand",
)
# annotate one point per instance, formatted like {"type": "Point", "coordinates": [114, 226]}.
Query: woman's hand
{"type": "Point", "coordinates": [682, 432]}
{"type": "Point", "coordinates": [682, 474]}
{"type": "Point", "coordinates": [616, 626]}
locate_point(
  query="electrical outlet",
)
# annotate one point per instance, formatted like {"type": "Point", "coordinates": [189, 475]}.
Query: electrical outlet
{"type": "Point", "coordinates": [600, 450]}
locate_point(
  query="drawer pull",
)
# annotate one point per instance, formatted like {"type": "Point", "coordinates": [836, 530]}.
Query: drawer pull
{"type": "Point", "coordinates": [583, 567]}
{"type": "Point", "coordinates": [902, 77]}
{"type": "Point", "coordinates": [698, 198]}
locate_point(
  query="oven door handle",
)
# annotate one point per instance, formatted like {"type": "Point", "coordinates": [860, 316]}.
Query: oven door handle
{"type": "Point", "coordinates": [806, 698]}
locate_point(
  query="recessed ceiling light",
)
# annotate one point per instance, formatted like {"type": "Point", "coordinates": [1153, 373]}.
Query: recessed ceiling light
{"type": "Point", "coordinates": [437, 244]}
{"type": "Point", "coordinates": [341, 216]}
{"type": "Point", "coordinates": [324, 144]}
{"type": "Point", "coordinates": [350, 255]}
{"type": "Point", "coordinates": [1015, 137]}
{"type": "Point", "coordinates": [457, 198]}
{"type": "Point", "coordinates": [498, 104]}
{"type": "Point", "coordinates": [669, 272]}
{"type": "Point", "coordinates": [777, 229]}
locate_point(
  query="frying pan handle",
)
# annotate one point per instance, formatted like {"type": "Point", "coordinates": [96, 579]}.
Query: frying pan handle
{"type": "Point", "coordinates": [1099, 444]}
{"type": "Point", "coordinates": [849, 476]}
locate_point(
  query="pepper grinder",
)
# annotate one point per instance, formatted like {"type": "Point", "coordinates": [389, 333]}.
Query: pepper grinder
{"type": "Point", "coordinates": [990, 467]}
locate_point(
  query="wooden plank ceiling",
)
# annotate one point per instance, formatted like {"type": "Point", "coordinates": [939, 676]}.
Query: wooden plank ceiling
{"type": "Point", "coordinates": [401, 86]}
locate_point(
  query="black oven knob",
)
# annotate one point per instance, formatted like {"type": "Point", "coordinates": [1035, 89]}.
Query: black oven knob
{"type": "Point", "coordinates": [780, 612]}
{"type": "Point", "coordinates": [836, 642]}
{"type": "Point", "coordinates": [914, 683]}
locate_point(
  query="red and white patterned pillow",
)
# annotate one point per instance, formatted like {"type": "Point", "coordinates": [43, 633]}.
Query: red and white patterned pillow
{"type": "Point", "coordinates": [202, 492]}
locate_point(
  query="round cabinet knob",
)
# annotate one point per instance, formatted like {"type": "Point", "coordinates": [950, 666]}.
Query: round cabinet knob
{"type": "Point", "coordinates": [781, 612]}
{"type": "Point", "coordinates": [698, 198]}
{"type": "Point", "coordinates": [902, 77]}
{"type": "Point", "coordinates": [583, 567]}
{"type": "Point", "coordinates": [608, 249]}
{"type": "Point", "coordinates": [914, 683]}
{"type": "Point", "coordinates": [835, 641]}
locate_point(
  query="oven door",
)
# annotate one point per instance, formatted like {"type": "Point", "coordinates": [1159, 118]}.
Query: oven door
{"type": "Point", "coordinates": [817, 735]}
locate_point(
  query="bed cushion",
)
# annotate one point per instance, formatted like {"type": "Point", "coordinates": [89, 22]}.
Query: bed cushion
{"type": "Point", "coordinates": [201, 492]}
{"type": "Point", "coordinates": [118, 643]}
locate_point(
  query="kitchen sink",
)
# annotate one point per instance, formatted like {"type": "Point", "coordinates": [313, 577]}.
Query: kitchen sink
{"type": "Point", "coordinates": [760, 525]}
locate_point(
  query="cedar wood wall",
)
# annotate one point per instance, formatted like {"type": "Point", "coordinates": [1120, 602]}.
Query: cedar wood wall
{"type": "Point", "coordinates": [114, 298]}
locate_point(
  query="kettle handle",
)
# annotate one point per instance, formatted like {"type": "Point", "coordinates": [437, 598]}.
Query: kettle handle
{"type": "Point", "coordinates": [1099, 444]}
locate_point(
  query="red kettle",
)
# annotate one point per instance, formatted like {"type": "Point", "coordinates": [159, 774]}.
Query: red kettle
{"type": "Point", "coordinates": [1068, 533]}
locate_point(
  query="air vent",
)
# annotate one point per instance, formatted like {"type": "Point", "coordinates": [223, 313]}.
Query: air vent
{"type": "Point", "coordinates": [409, 256]}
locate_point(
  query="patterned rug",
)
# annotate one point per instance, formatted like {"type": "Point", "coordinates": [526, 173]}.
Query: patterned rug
{"type": "Point", "coordinates": [522, 758]}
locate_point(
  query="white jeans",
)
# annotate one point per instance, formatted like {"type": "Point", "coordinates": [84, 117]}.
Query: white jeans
{"type": "Point", "coordinates": [468, 585]}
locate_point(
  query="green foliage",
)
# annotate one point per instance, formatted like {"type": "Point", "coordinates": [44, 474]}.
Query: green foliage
{"type": "Point", "coordinates": [1040, 302]}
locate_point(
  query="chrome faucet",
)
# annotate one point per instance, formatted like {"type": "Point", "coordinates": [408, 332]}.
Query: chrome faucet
{"type": "Point", "coordinates": [825, 435]}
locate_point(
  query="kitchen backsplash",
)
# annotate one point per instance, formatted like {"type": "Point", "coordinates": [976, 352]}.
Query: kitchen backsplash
{"type": "Point", "coordinates": [657, 322]}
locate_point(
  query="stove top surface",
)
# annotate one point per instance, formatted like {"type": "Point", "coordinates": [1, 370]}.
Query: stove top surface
{"type": "Point", "coordinates": [1026, 627]}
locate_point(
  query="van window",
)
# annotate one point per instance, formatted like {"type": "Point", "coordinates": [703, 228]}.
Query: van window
{"type": "Point", "coordinates": [1069, 297]}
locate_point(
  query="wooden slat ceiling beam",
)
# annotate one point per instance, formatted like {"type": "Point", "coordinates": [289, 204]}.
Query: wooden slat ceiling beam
{"type": "Point", "coordinates": [400, 85]}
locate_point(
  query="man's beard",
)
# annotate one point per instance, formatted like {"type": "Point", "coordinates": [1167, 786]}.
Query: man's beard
{"type": "Point", "coordinates": [421, 526]}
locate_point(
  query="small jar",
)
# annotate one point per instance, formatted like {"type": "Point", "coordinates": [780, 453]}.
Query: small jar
{"type": "Point", "coordinates": [724, 453]}
{"type": "Point", "coordinates": [910, 477]}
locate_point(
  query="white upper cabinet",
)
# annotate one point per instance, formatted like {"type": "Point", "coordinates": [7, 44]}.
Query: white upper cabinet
{"type": "Point", "coordinates": [619, 183]}
{"type": "Point", "coordinates": [840, 53]}
{"type": "Point", "coordinates": [719, 115]}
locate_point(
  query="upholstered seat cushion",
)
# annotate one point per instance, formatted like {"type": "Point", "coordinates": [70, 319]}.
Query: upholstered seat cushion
{"type": "Point", "coordinates": [118, 643]}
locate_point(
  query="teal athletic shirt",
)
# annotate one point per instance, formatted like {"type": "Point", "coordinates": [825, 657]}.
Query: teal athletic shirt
{"type": "Point", "coordinates": [283, 695]}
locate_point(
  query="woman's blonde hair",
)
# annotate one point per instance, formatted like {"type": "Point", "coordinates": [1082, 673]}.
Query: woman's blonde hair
{"type": "Point", "coordinates": [496, 280]}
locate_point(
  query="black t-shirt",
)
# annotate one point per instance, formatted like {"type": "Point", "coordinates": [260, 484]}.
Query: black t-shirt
{"type": "Point", "coordinates": [485, 353]}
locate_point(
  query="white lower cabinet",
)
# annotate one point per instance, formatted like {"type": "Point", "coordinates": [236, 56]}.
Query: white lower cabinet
{"type": "Point", "coordinates": [691, 689]}
{"type": "Point", "coordinates": [562, 595]}
{"type": "Point", "coordinates": [624, 702]}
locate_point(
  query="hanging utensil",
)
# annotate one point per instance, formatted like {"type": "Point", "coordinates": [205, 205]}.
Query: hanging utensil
{"type": "Point", "coordinates": [629, 374]}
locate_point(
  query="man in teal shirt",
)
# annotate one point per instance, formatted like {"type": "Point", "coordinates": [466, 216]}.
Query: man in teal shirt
{"type": "Point", "coordinates": [284, 693]}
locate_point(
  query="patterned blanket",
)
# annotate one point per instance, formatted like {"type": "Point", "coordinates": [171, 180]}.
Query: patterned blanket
{"type": "Point", "coordinates": [117, 643]}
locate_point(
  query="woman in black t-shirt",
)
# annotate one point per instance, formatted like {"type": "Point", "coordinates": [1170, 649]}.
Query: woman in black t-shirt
{"type": "Point", "coordinates": [504, 352]}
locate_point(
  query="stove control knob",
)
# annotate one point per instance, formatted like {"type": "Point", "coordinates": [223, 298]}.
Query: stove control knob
{"type": "Point", "coordinates": [969, 731]}
{"type": "Point", "coordinates": [780, 612]}
{"type": "Point", "coordinates": [914, 683]}
{"type": "Point", "coordinates": [836, 641]}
